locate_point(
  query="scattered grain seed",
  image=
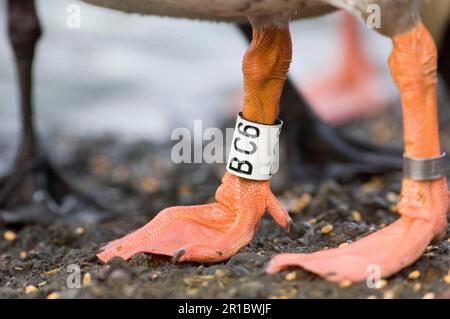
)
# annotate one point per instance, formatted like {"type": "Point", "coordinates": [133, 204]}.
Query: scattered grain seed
{"type": "Point", "coordinates": [42, 284]}
{"type": "Point", "coordinates": [392, 197]}
{"type": "Point", "coordinates": [447, 279]}
{"type": "Point", "coordinates": [87, 279]}
{"type": "Point", "coordinates": [356, 216]}
{"type": "Point", "coordinates": [313, 221]}
{"type": "Point", "coordinates": [9, 235]}
{"type": "Point", "coordinates": [30, 289]}
{"type": "Point", "coordinates": [414, 275]}
{"type": "Point", "coordinates": [23, 255]}
{"type": "Point", "coordinates": [345, 284]}
{"type": "Point", "coordinates": [148, 185]}
{"type": "Point", "coordinates": [382, 283]}
{"type": "Point", "coordinates": [18, 268]}
{"type": "Point", "coordinates": [389, 294]}
{"type": "Point", "coordinates": [291, 276]}
{"type": "Point", "coordinates": [327, 229]}
{"type": "Point", "coordinates": [52, 271]}
{"type": "Point", "coordinates": [99, 165]}
{"type": "Point", "coordinates": [79, 231]}
{"type": "Point", "coordinates": [393, 209]}
{"type": "Point", "coordinates": [429, 295]}
{"type": "Point", "coordinates": [53, 295]}
{"type": "Point", "coordinates": [185, 190]}
{"type": "Point", "coordinates": [375, 184]}
{"type": "Point", "coordinates": [301, 202]}
{"type": "Point", "coordinates": [417, 286]}
{"type": "Point", "coordinates": [343, 245]}
{"type": "Point", "coordinates": [372, 297]}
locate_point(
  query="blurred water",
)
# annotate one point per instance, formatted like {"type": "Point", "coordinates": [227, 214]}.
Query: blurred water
{"type": "Point", "coordinates": [142, 76]}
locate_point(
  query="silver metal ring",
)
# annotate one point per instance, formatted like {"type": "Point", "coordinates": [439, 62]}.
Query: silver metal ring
{"type": "Point", "coordinates": [424, 169]}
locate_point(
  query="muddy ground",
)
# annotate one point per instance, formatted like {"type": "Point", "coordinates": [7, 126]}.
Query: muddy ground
{"type": "Point", "coordinates": [138, 180]}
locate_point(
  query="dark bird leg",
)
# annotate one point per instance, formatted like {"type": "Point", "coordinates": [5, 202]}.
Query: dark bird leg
{"type": "Point", "coordinates": [315, 149]}
{"type": "Point", "coordinates": [33, 179]}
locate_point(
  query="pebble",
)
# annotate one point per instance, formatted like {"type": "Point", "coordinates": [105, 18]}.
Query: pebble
{"type": "Point", "coordinates": [30, 289]}
{"type": "Point", "coordinates": [79, 231]}
{"type": "Point", "coordinates": [9, 235]}
{"type": "Point", "coordinates": [53, 295]}
{"type": "Point", "coordinates": [356, 216]}
{"type": "Point", "coordinates": [23, 255]}
{"type": "Point", "coordinates": [414, 275]}
{"type": "Point", "coordinates": [429, 295]}
{"type": "Point", "coordinates": [345, 284]}
{"type": "Point", "coordinates": [327, 229]}
{"type": "Point", "coordinates": [291, 276]}
{"type": "Point", "coordinates": [119, 277]}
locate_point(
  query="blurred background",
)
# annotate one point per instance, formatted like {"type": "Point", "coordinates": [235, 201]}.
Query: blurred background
{"type": "Point", "coordinates": [140, 77]}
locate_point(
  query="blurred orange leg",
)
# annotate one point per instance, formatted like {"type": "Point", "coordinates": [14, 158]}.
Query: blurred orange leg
{"type": "Point", "coordinates": [423, 204]}
{"type": "Point", "coordinates": [215, 232]}
{"type": "Point", "coordinates": [352, 89]}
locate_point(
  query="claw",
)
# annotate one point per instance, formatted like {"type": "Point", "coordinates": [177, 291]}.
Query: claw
{"type": "Point", "coordinates": [290, 224]}
{"type": "Point", "coordinates": [178, 254]}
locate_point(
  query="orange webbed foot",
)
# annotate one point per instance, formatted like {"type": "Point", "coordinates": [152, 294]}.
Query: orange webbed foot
{"type": "Point", "coordinates": [204, 233]}
{"type": "Point", "coordinates": [423, 206]}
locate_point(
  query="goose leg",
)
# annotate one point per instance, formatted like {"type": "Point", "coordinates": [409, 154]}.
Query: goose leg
{"type": "Point", "coordinates": [423, 205]}
{"type": "Point", "coordinates": [214, 232]}
{"type": "Point", "coordinates": [325, 153]}
{"type": "Point", "coordinates": [33, 178]}
{"type": "Point", "coordinates": [353, 90]}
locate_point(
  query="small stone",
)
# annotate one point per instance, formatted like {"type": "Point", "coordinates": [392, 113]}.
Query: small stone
{"type": "Point", "coordinates": [389, 294]}
{"type": "Point", "coordinates": [79, 231]}
{"type": "Point", "coordinates": [414, 275]}
{"type": "Point", "coordinates": [119, 277]}
{"type": "Point", "coordinates": [429, 295]}
{"type": "Point", "coordinates": [30, 289]}
{"type": "Point", "coordinates": [53, 295]}
{"type": "Point", "coordinates": [9, 235]}
{"type": "Point", "coordinates": [356, 216]}
{"type": "Point", "coordinates": [291, 276]}
{"type": "Point", "coordinates": [87, 279]}
{"type": "Point", "coordinates": [345, 284]}
{"type": "Point", "coordinates": [23, 255]}
{"type": "Point", "coordinates": [327, 229]}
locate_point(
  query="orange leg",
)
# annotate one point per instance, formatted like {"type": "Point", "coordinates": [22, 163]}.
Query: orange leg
{"type": "Point", "coordinates": [423, 205]}
{"type": "Point", "coordinates": [215, 232]}
{"type": "Point", "coordinates": [352, 89]}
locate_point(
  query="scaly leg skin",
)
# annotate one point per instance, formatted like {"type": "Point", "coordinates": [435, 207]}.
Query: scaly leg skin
{"type": "Point", "coordinates": [215, 232]}
{"type": "Point", "coordinates": [423, 205]}
{"type": "Point", "coordinates": [354, 90]}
